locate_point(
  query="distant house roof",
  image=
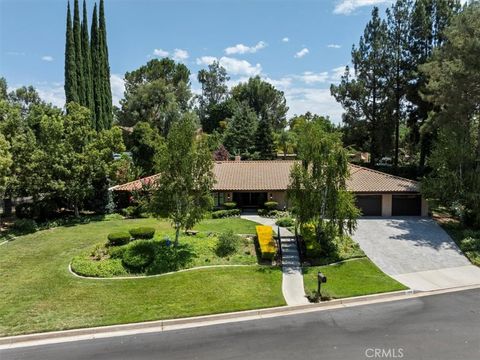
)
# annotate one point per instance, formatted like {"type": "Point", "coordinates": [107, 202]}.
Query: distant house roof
{"type": "Point", "coordinates": [274, 175]}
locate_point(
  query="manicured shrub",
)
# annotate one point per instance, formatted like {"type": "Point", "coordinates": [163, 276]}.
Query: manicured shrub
{"type": "Point", "coordinates": [116, 252]}
{"type": "Point", "coordinates": [262, 212]}
{"type": "Point", "coordinates": [25, 226]}
{"type": "Point", "coordinates": [265, 241]}
{"type": "Point", "coordinates": [271, 205]}
{"type": "Point", "coordinates": [285, 222]}
{"type": "Point", "coordinates": [144, 233]}
{"type": "Point", "coordinates": [132, 212]}
{"type": "Point", "coordinates": [219, 214]}
{"type": "Point", "coordinates": [138, 255]}
{"type": "Point", "coordinates": [118, 238]}
{"type": "Point", "coordinates": [230, 205]}
{"type": "Point", "coordinates": [228, 243]}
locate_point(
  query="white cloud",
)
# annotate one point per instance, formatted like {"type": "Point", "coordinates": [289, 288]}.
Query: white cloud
{"type": "Point", "coordinates": [302, 53]}
{"type": "Point", "coordinates": [285, 39]}
{"type": "Point", "coordinates": [117, 84]}
{"type": "Point", "coordinates": [232, 65]}
{"type": "Point", "coordinates": [309, 77]}
{"type": "Point", "coordinates": [334, 46]}
{"type": "Point", "coordinates": [160, 52]}
{"type": "Point", "coordinates": [206, 60]}
{"type": "Point", "coordinates": [180, 55]}
{"type": "Point", "coordinates": [318, 101]}
{"type": "Point", "coordinates": [337, 73]}
{"type": "Point", "coordinates": [348, 6]}
{"type": "Point", "coordinates": [52, 93]}
{"type": "Point", "coordinates": [47, 58]}
{"type": "Point", "coordinates": [244, 49]}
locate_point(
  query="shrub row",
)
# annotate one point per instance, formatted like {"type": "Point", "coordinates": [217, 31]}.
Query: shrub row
{"type": "Point", "coordinates": [123, 237]}
{"type": "Point", "coordinates": [219, 214]}
{"type": "Point", "coordinates": [265, 240]}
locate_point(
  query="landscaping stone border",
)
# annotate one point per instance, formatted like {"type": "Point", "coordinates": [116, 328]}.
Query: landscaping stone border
{"type": "Point", "coordinates": [156, 275]}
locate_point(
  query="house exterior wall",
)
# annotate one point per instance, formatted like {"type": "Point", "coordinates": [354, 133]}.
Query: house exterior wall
{"type": "Point", "coordinates": [386, 204]}
{"type": "Point", "coordinates": [424, 207]}
{"type": "Point", "coordinates": [280, 197]}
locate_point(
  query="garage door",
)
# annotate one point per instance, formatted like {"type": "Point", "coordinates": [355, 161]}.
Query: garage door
{"type": "Point", "coordinates": [370, 205]}
{"type": "Point", "coordinates": [406, 205]}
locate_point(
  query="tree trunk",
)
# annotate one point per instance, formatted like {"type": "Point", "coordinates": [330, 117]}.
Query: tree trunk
{"type": "Point", "coordinates": [177, 235]}
{"type": "Point", "coordinates": [76, 211]}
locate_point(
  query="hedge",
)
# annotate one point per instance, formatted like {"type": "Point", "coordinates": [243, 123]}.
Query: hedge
{"type": "Point", "coordinates": [118, 238]}
{"type": "Point", "coordinates": [144, 233]}
{"type": "Point", "coordinates": [229, 205]}
{"type": "Point", "coordinates": [271, 205]}
{"type": "Point", "coordinates": [225, 213]}
{"type": "Point", "coordinates": [265, 240]}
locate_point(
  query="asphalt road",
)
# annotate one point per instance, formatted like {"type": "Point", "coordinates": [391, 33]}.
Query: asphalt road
{"type": "Point", "coordinates": [436, 327]}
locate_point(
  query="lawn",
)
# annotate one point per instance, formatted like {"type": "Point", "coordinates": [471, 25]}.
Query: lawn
{"type": "Point", "coordinates": [350, 278]}
{"type": "Point", "coordinates": [39, 294]}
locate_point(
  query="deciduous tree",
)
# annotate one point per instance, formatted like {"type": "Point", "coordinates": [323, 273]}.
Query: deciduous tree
{"type": "Point", "coordinates": [182, 191]}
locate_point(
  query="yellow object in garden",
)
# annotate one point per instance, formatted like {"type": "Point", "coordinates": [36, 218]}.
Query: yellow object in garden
{"type": "Point", "coordinates": [265, 240]}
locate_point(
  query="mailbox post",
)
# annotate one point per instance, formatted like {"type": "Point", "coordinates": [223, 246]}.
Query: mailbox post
{"type": "Point", "coordinates": [321, 279]}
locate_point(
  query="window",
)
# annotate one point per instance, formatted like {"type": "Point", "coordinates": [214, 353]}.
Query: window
{"type": "Point", "coordinates": [218, 199]}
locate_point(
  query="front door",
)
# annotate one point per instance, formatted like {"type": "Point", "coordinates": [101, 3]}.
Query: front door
{"type": "Point", "coordinates": [251, 200]}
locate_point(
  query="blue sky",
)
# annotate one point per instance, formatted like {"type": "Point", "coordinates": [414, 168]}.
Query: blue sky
{"type": "Point", "coordinates": [300, 46]}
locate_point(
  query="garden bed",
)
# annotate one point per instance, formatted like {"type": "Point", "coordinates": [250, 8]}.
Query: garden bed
{"type": "Point", "coordinates": [157, 256]}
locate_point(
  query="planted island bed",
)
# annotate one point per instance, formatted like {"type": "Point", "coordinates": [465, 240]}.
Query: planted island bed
{"type": "Point", "coordinates": [39, 294]}
{"type": "Point", "coordinates": [158, 255]}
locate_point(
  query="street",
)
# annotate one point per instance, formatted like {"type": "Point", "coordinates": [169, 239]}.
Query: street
{"type": "Point", "coordinates": [435, 327]}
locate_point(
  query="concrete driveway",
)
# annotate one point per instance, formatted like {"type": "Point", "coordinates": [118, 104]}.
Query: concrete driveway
{"type": "Point", "coordinates": [416, 252]}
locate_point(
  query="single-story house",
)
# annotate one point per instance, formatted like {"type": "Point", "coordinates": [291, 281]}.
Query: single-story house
{"type": "Point", "coordinates": [251, 183]}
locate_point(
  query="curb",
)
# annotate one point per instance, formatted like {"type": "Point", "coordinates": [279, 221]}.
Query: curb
{"type": "Point", "coordinates": [197, 321]}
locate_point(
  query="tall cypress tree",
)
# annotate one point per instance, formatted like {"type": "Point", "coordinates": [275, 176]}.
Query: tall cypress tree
{"type": "Point", "coordinates": [87, 65]}
{"type": "Point", "coordinates": [103, 50]}
{"type": "Point", "coordinates": [71, 90]}
{"type": "Point", "coordinates": [96, 71]}
{"type": "Point", "coordinates": [77, 38]}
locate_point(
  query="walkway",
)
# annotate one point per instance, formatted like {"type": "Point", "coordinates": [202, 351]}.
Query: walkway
{"type": "Point", "coordinates": [292, 283]}
{"type": "Point", "coordinates": [416, 252]}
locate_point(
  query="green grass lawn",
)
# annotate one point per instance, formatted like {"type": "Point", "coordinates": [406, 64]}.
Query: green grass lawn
{"type": "Point", "coordinates": [351, 278]}
{"type": "Point", "coordinates": [39, 294]}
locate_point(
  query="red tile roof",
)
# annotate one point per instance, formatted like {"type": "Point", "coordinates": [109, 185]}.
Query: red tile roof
{"type": "Point", "coordinates": [264, 175]}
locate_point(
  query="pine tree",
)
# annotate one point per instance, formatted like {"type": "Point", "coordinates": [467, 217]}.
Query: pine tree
{"type": "Point", "coordinates": [398, 20]}
{"type": "Point", "coordinates": [103, 50]}
{"type": "Point", "coordinates": [365, 98]}
{"type": "Point", "coordinates": [87, 65]}
{"type": "Point", "coordinates": [428, 22]}
{"type": "Point", "coordinates": [264, 142]}
{"type": "Point", "coordinates": [71, 89]}
{"type": "Point", "coordinates": [96, 72]}
{"type": "Point", "coordinates": [77, 38]}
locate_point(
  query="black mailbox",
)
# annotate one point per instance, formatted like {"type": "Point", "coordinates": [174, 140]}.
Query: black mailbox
{"type": "Point", "coordinates": [322, 278]}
